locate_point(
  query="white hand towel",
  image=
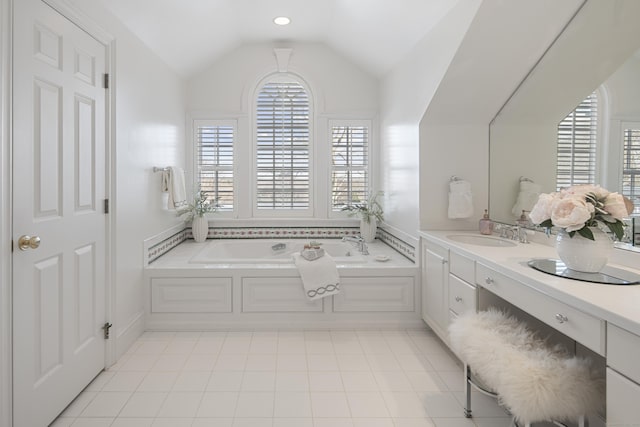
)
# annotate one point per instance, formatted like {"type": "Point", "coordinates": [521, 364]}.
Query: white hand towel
{"type": "Point", "coordinates": [319, 277]}
{"type": "Point", "coordinates": [173, 183]}
{"type": "Point", "coordinates": [460, 199]}
{"type": "Point", "coordinates": [527, 197]}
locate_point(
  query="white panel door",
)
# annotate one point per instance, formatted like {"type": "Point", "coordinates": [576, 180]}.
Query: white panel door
{"type": "Point", "coordinates": [59, 188]}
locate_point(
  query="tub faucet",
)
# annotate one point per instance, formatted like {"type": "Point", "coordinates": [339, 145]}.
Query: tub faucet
{"type": "Point", "coordinates": [360, 243]}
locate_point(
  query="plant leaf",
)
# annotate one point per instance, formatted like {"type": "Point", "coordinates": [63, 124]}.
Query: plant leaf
{"type": "Point", "coordinates": [586, 233]}
{"type": "Point", "coordinates": [616, 228]}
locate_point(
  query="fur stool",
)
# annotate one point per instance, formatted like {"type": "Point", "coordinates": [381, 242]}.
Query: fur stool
{"type": "Point", "coordinates": [532, 381]}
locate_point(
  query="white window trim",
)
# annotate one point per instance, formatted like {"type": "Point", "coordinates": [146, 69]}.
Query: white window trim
{"type": "Point", "coordinates": [329, 138]}
{"type": "Point", "coordinates": [285, 213]}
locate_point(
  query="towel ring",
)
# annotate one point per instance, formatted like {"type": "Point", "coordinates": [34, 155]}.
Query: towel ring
{"type": "Point", "coordinates": [454, 178]}
{"type": "Point", "coordinates": [525, 179]}
{"type": "Point", "coordinates": [157, 169]}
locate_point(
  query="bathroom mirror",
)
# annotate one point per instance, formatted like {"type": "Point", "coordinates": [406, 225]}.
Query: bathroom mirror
{"type": "Point", "coordinates": [597, 46]}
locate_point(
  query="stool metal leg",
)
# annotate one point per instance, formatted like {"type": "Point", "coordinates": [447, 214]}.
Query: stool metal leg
{"type": "Point", "coordinates": [467, 390]}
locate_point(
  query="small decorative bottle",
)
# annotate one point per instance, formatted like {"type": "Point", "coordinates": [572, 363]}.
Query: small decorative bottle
{"type": "Point", "coordinates": [485, 224]}
{"type": "Point", "coordinates": [523, 221]}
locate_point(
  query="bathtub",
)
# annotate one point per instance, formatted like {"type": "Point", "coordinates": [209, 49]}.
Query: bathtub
{"type": "Point", "coordinates": [260, 251]}
{"type": "Point", "coordinates": [253, 284]}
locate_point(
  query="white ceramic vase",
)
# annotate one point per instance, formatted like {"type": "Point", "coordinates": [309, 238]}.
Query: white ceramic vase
{"type": "Point", "coordinates": [581, 254]}
{"type": "Point", "coordinates": [368, 229]}
{"type": "Point", "coordinates": [199, 228]}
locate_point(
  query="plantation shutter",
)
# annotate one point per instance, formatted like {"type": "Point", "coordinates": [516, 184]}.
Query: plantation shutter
{"type": "Point", "coordinates": [631, 167]}
{"type": "Point", "coordinates": [282, 147]}
{"type": "Point", "coordinates": [577, 145]}
{"type": "Point", "coordinates": [214, 161]}
{"type": "Point", "coordinates": [350, 165]}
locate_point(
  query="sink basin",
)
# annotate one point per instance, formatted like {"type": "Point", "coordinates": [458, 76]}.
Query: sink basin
{"type": "Point", "coordinates": [473, 239]}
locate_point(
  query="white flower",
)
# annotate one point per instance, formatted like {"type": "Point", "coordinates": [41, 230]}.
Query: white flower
{"type": "Point", "coordinates": [615, 205]}
{"type": "Point", "coordinates": [581, 190]}
{"type": "Point", "coordinates": [542, 209]}
{"type": "Point", "coordinates": [571, 213]}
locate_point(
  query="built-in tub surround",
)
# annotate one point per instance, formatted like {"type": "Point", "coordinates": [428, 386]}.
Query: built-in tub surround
{"type": "Point", "coordinates": [187, 293]}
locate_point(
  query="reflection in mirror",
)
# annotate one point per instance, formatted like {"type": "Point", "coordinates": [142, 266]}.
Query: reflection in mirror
{"type": "Point", "coordinates": [540, 141]}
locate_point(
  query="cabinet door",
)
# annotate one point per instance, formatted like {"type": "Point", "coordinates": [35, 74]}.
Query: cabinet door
{"type": "Point", "coordinates": [435, 276]}
{"type": "Point", "coordinates": [623, 396]}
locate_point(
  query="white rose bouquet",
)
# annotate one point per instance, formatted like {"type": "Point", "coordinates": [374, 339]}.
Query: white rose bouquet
{"type": "Point", "coordinates": [577, 208]}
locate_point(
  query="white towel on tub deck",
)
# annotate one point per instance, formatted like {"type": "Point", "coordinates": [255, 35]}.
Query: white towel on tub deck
{"type": "Point", "coordinates": [319, 277]}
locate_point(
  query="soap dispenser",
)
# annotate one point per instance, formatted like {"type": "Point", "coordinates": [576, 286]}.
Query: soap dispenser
{"type": "Point", "coordinates": [485, 224]}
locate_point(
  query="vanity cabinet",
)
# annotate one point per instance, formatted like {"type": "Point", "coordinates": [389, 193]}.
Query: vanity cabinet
{"type": "Point", "coordinates": [435, 282]}
{"type": "Point", "coordinates": [623, 377]}
{"type": "Point", "coordinates": [462, 291]}
{"type": "Point", "coordinates": [447, 287]}
{"type": "Point", "coordinates": [577, 325]}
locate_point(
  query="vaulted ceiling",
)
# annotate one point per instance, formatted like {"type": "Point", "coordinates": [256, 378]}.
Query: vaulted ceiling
{"type": "Point", "coordinates": [190, 35]}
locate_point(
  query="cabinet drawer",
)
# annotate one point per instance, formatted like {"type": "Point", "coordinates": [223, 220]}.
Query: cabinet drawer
{"type": "Point", "coordinates": [462, 296]}
{"type": "Point", "coordinates": [623, 349]}
{"type": "Point", "coordinates": [582, 327]}
{"type": "Point", "coordinates": [623, 396]}
{"type": "Point", "coordinates": [462, 267]}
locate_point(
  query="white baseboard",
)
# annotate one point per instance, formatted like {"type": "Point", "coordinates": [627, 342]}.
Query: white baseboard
{"type": "Point", "coordinates": [183, 325]}
{"type": "Point", "coordinates": [126, 336]}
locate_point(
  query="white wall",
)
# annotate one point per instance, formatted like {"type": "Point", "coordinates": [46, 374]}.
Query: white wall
{"type": "Point", "coordinates": [405, 94]}
{"type": "Point", "coordinates": [486, 69]}
{"type": "Point", "coordinates": [622, 91]}
{"type": "Point", "coordinates": [149, 131]}
{"type": "Point", "coordinates": [339, 89]}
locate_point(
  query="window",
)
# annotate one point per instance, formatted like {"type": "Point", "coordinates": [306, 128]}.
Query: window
{"type": "Point", "coordinates": [349, 163]}
{"type": "Point", "coordinates": [631, 167]}
{"type": "Point", "coordinates": [577, 145]}
{"type": "Point", "coordinates": [283, 147]}
{"type": "Point", "coordinates": [214, 160]}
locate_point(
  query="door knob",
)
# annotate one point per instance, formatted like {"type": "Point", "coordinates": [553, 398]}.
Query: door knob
{"type": "Point", "coordinates": [28, 242]}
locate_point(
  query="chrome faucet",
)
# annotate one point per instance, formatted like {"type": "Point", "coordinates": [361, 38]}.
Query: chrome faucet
{"type": "Point", "coordinates": [360, 243]}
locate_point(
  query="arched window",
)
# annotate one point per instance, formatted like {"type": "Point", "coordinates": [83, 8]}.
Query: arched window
{"type": "Point", "coordinates": [577, 149]}
{"type": "Point", "coordinates": [283, 176]}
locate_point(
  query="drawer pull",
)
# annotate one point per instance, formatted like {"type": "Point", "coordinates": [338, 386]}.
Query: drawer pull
{"type": "Point", "coordinates": [488, 280]}
{"type": "Point", "coordinates": [561, 318]}
{"type": "Point", "coordinates": [458, 299]}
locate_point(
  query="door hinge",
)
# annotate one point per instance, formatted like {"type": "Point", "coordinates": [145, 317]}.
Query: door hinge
{"type": "Point", "coordinates": [106, 328]}
{"type": "Point", "coordinates": [105, 81]}
{"type": "Point", "coordinates": [106, 206]}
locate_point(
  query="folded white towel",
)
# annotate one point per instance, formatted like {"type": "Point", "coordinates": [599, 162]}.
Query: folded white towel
{"type": "Point", "coordinates": [173, 183]}
{"type": "Point", "coordinates": [460, 199]}
{"type": "Point", "coordinates": [527, 197]}
{"type": "Point", "coordinates": [319, 277]}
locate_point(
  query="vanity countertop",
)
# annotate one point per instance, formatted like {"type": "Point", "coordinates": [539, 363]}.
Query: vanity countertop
{"type": "Point", "coordinates": [619, 305]}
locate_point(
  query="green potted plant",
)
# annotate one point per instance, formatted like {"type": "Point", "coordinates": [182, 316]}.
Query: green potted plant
{"type": "Point", "coordinates": [370, 213]}
{"type": "Point", "coordinates": [195, 213]}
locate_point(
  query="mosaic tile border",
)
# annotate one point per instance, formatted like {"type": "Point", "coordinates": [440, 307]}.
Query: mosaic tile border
{"type": "Point", "coordinates": [400, 246]}
{"type": "Point", "coordinates": [278, 232]}
{"type": "Point", "coordinates": [156, 251]}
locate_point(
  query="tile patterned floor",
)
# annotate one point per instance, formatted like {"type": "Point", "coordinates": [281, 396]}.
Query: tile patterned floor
{"type": "Point", "coordinates": [358, 378]}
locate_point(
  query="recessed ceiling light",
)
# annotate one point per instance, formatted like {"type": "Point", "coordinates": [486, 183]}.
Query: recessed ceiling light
{"type": "Point", "coordinates": [281, 20]}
